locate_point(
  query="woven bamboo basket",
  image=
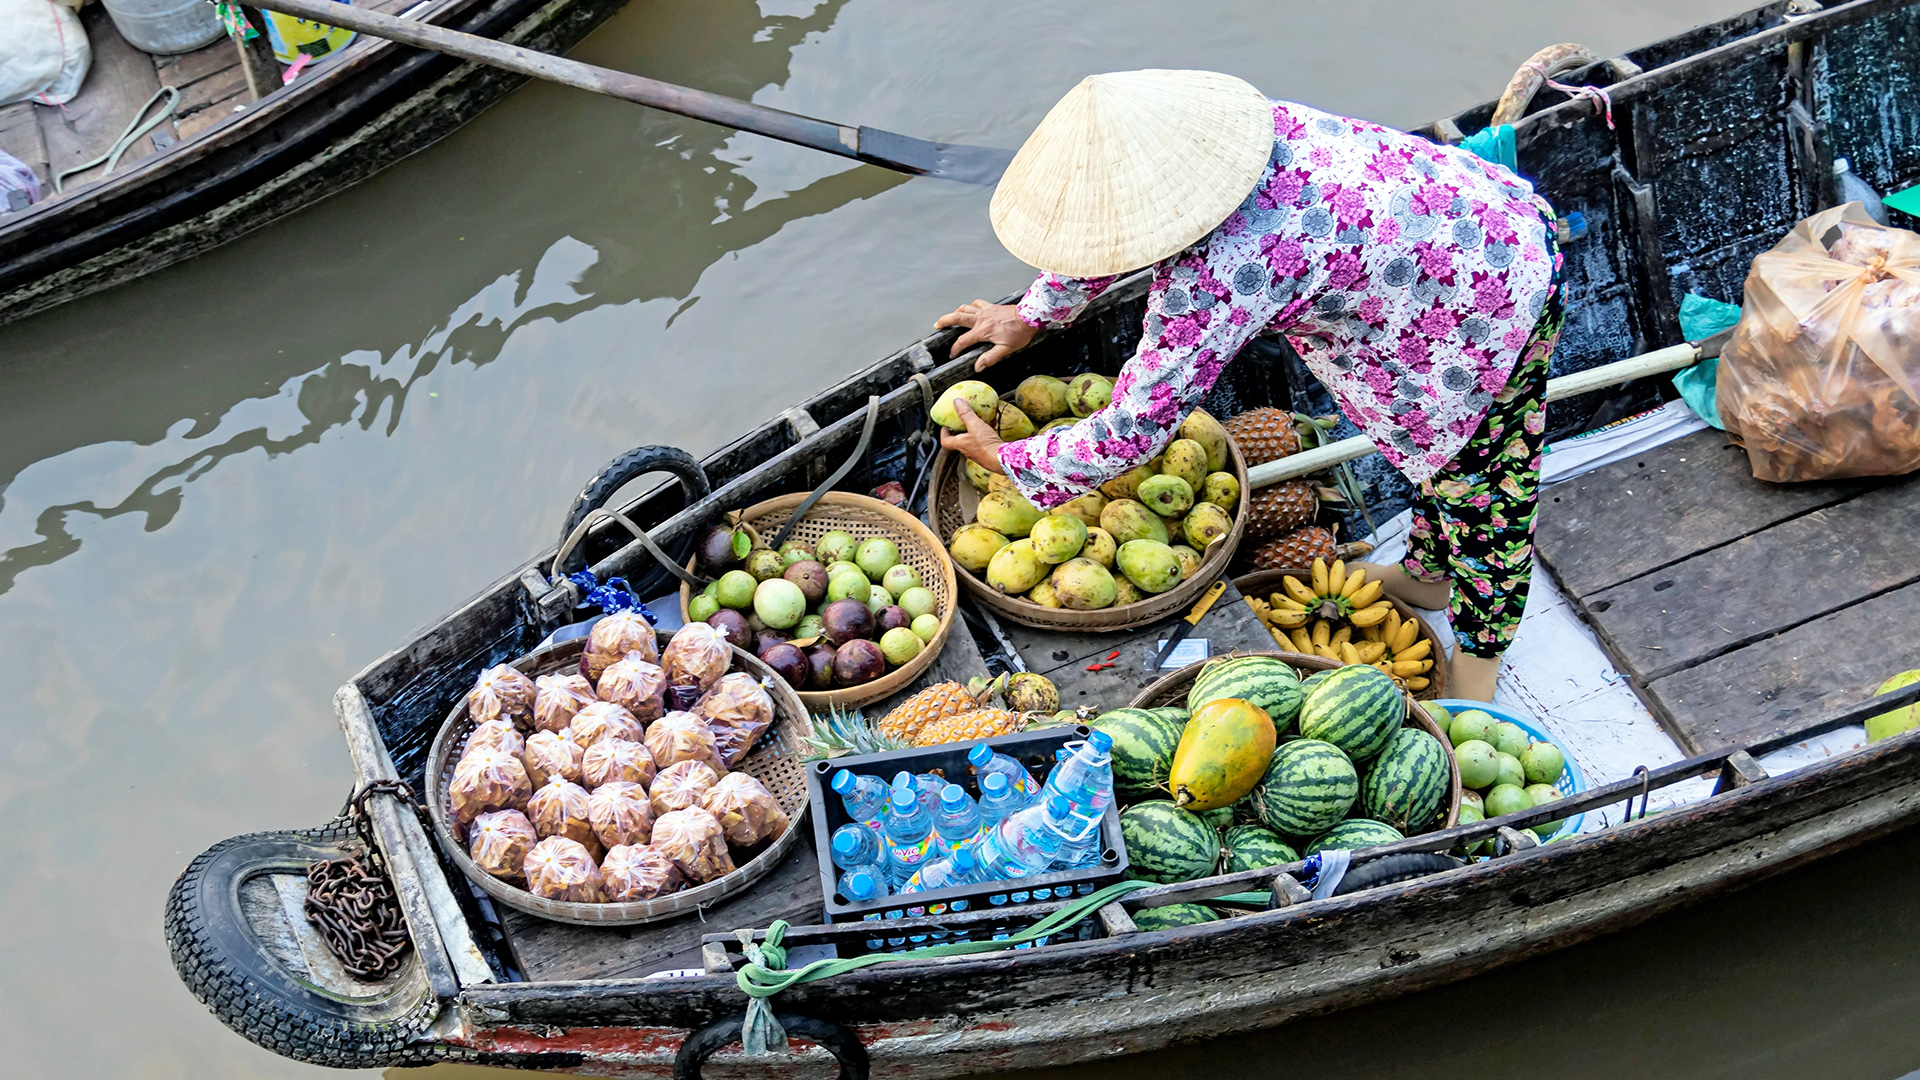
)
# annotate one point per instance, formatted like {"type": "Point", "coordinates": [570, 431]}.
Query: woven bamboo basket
{"type": "Point", "coordinates": [1261, 583]}
{"type": "Point", "coordinates": [776, 761]}
{"type": "Point", "coordinates": [952, 504]}
{"type": "Point", "coordinates": [864, 518]}
{"type": "Point", "coordinates": [1172, 689]}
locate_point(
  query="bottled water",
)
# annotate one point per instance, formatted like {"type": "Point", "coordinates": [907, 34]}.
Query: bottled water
{"type": "Point", "coordinates": [925, 786]}
{"type": "Point", "coordinates": [1090, 766]}
{"type": "Point", "coordinates": [909, 828]}
{"type": "Point", "coordinates": [865, 797]}
{"type": "Point", "coordinates": [987, 763]}
{"type": "Point", "coordinates": [1083, 844]}
{"type": "Point", "coordinates": [1027, 842]}
{"type": "Point", "coordinates": [862, 883]}
{"type": "Point", "coordinates": [855, 844]}
{"type": "Point", "coordinates": [998, 799]}
{"type": "Point", "coordinates": [958, 820]}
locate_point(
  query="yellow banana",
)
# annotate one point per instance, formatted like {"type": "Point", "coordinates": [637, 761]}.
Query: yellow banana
{"type": "Point", "coordinates": [1327, 652]}
{"type": "Point", "coordinates": [1289, 605]}
{"type": "Point", "coordinates": [1384, 665]}
{"type": "Point", "coordinates": [1372, 633]}
{"type": "Point", "coordinates": [1319, 577]}
{"type": "Point", "coordinates": [1336, 577]}
{"type": "Point", "coordinates": [1298, 591]}
{"type": "Point", "coordinates": [1404, 668]}
{"type": "Point", "coordinates": [1279, 638]}
{"type": "Point", "coordinates": [1370, 651]}
{"type": "Point", "coordinates": [1403, 638]}
{"type": "Point", "coordinates": [1354, 580]}
{"type": "Point", "coordinates": [1322, 632]}
{"type": "Point", "coordinates": [1417, 651]}
{"type": "Point", "coordinates": [1392, 624]}
{"type": "Point", "coordinates": [1369, 617]}
{"type": "Point", "coordinates": [1365, 595]}
{"type": "Point", "coordinates": [1289, 619]}
{"type": "Point", "coordinates": [1302, 641]}
{"type": "Point", "coordinates": [1418, 682]}
{"type": "Point", "coordinates": [1341, 636]}
{"type": "Point", "coordinates": [1347, 653]}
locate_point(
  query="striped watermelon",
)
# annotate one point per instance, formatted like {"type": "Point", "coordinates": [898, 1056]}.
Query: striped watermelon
{"type": "Point", "coordinates": [1356, 708]}
{"type": "Point", "coordinates": [1219, 818]}
{"type": "Point", "coordinates": [1270, 684]}
{"type": "Point", "coordinates": [1249, 847]}
{"type": "Point", "coordinates": [1307, 684]}
{"type": "Point", "coordinates": [1172, 915]}
{"type": "Point", "coordinates": [1167, 844]}
{"type": "Point", "coordinates": [1407, 781]}
{"type": "Point", "coordinates": [1354, 835]}
{"type": "Point", "coordinates": [1143, 746]}
{"type": "Point", "coordinates": [1174, 713]}
{"type": "Point", "coordinates": [1310, 785]}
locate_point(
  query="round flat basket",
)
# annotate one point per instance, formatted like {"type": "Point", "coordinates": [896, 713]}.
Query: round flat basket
{"type": "Point", "coordinates": [1171, 689]}
{"type": "Point", "coordinates": [1261, 583]}
{"type": "Point", "coordinates": [864, 518]}
{"type": "Point", "coordinates": [776, 761]}
{"type": "Point", "coordinates": [952, 502]}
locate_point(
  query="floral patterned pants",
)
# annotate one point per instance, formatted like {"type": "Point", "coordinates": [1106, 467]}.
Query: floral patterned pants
{"type": "Point", "coordinates": [1473, 520]}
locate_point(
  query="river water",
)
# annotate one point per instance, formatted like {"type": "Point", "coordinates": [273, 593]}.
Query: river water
{"type": "Point", "coordinates": [225, 488]}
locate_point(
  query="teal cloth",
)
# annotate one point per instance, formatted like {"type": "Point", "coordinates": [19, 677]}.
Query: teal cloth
{"type": "Point", "coordinates": [1701, 318]}
{"type": "Point", "coordinates": [1494, 144]}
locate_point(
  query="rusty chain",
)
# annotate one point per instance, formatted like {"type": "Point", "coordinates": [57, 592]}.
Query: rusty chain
{"type": "Point", "coordinates": [351, 902]}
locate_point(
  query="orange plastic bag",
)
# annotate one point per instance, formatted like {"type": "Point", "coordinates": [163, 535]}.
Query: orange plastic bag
{"type": "Point", "coordinates": [1822, 377]}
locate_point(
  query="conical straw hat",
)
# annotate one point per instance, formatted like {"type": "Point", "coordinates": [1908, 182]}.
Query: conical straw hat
{"type": "Point", "coordinates": [1130, 167]}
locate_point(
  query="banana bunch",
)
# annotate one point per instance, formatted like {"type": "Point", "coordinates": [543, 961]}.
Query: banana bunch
{"type": "Point", "coordinates": [1334, 594]}
{"type": "Point", "coordinates": [1340, 615]}
{"type": "Point", "coordinates": [1397, 648]}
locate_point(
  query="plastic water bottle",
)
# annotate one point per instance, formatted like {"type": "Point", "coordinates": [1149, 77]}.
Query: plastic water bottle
{"type": "Point", "coordinates": [925, 786]}
{"type": "Point", "coordinates": [855, 844]}
{"type": "Point", "coordinates": [1083, 842]}
{"type": "Point", "coordinates": [1027, 842]}
{"type": "Point", "coordinates": [986, 762]}
{"type": "Point", "coordinates": [998, 799]}
{"type": "Point", "coordinates": [909, 828]}
{"type": "Point", "coordinates": [1090, 766]}
{"type": "Point", "coordinates": [958, 820]}
{"type": "Point", "coordinates": [860, 885]}
{"type": "Point", "coordinates": [865, 797]}
{"type": "Point", "coordinates": [1853, 189]}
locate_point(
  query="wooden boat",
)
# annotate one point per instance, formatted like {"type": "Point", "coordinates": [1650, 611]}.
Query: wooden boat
{"type": "Point", "coordinates": [239, 149]}
{"type": "Point", "coordinates": [1674, 196]}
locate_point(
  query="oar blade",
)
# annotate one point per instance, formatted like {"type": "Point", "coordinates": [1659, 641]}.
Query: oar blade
{"type": "Point", "coordinates": [943, 161]}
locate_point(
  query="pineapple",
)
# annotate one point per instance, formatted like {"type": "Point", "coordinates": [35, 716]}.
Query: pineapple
{"type": "Point", "coordinates": [1264, 434]}
{"type": "Point", "coordinates": [836, 733]}
{"type": "Point", "coordinates": [1280, 509]}
{"type": "Point", "coordinates": [1295, 550]}
{"type": "Point", "coordinates": [937, 702]}
{"type": "Point", "coordinates": [971, 727]}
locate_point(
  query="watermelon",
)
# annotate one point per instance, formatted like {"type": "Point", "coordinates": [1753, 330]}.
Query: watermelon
{"type": "Point", "coordinates": [1407, 781]}
{"type": "Point", "coordinates": [1172, 915]}
{"type": "Point", "coordinates": [1249, 847]}
{"type": "Point", "coordinates": [1269, 684]}
{"type": "Point", "coordinates": [1167, 844]}
{"type": "Point", "coordinates": [1307, 684]}
{"type": "Point", "coordinates": [1355, 834]}
{"type": "Point", "coordinates": [1356, 708]}
{"type": "Point", "coordinates": [1143, 746]}
{"type": "Point", "coordinates": [1309, 786]}
{"type": "Point", "coordinates": [1218, 818]}
{"type": "Point", "coordinates": [1173, 713]}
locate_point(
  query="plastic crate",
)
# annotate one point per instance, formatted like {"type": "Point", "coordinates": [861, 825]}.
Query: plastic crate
{"type": "Point", "coordinates": [1572, 781]}
{"type": "Point", "coordinates": [1034, 749]}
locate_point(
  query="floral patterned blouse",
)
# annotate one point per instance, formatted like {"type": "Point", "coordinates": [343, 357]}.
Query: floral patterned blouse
{"type": "Point", "coordinates": [1406, 274]}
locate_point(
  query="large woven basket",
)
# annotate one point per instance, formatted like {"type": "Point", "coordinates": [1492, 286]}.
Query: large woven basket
{"type": "Point", "coordinates": [776, 761]}
{"type": "Point", "coordinates": [864, 518]}
{"type": "Point", "coordinates": [1262, 583]}
{"type": "Point", "coordinates": [951, 506]}
{"type": "Point", "coordinates": [1171, 689]}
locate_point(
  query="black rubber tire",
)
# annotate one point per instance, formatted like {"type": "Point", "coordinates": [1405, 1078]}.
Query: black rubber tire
{"type": "Point", "coordinates": [220, 959]}
{"type": "Point", "coordinates": [1392, 869]}
{"type": "Point", "coordinates": [844, 1045]}
{"type": "Point", "coordinates": [622, 471]}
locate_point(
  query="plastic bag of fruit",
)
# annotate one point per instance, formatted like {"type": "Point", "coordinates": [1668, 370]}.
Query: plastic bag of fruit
{"type": "Point", "coordinates": [737, 710]}
{"type": "Point", "coordinates": [500, 842]}
{"type": "Point", "coordinates": [616, 759]}
{"type": "Point", "coordinates": [560, 809]}
{"type": "Point", "coordinates": [603, 720]}
{"type": "Point", "coordinates": [497, 734]}
{"type": "Point", "coordinates": [635, 685]}
{"type": "Point", "coordinates": [612, 638]}
{"type": "Point", "coordinates": [1822, 376]}
{"type": "Point", "coordinates": [748, 813]}
{"type": "Point", "coordinates": [698, 655]}
{"type": "Point", "coordinates": [680, 786]}
{"type": "Point", "coordinates": [693, 839]}
{"type": "Point", "coordinates": [549, 754]}
{"type": "Point", "coordinates": [683, 736]}
{"type": "Point", "coordinates": [620, 814]}
{"type": "Point", "coordinates": [562, 869]}
{"type": "Point", "coordinates": [557, 697]}
{"type": "Point", "coordinates": [501, 691]}
{"type": "Point", "coordinates": [640, 872]}
{"type": "Point", "coordinates": [487, 780]}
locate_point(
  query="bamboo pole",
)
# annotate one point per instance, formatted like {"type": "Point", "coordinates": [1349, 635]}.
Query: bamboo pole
{"type": "Point", "coordinates": [1671, 358]}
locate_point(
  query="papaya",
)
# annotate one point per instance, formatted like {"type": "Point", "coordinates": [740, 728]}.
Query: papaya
{"type": "Point", "coordinates": [1223, 752]}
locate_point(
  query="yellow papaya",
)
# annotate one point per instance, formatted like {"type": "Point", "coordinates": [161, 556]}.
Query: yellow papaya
{"type": "Point", "coordinates": [1223, 753]}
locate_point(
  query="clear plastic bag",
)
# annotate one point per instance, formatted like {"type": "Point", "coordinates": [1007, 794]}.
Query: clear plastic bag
{"type": "Point", "coordinates": [560, 809]}
{"type": "Point", "coordinates": [635, 684]}
{"type": "Point", "coordinates": [697, 654]}
{"type": "Point", "coordinates": [692, 838]}
{"type": "Point", "coordinates": [557, 697]}
{"type": "Point", "coordinates": [683, 736]}
{"type": "Point", "coordinates": [603, 720]}
{"type": "Point", "coordinates": [562, 869]}
{"type": "Point", "coordinates": [620, 814]}
{"type": "Point", "coordinates": [738, 711]}
{"type": "Point", "coordinates": [748, 813]}
{"type": "Point", "coordinates": [680, 786]}
{"type": "Point", "coordinates": [501, 691]}
{"type": "Point", "coordinates": [487, 780]}
{"type": "Point", "coordinates": [501, 840]}
{"type": "Point", "coordinates": [548, 755]}
{"type": "Point", "coordinates": [640, 872]}
{"type": "Point", "coordinates": [1821, 379]}
{"type": "Point", "coordinates": [494, 735]}
{"type": "Point", "coordinates": [612, 638]}
{"type": "Point", "coordinates": [616, 759]}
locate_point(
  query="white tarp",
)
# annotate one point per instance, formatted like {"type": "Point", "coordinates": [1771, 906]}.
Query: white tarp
{"type": "Point", "coordinates": [43, 53]}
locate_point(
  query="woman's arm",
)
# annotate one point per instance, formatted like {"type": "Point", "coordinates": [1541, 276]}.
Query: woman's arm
{"type": "Point", "coordinates": [1050, 302]}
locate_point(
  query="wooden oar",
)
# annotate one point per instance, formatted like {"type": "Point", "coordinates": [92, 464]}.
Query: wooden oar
{"type": "Point", "coordinates": [947, 161]}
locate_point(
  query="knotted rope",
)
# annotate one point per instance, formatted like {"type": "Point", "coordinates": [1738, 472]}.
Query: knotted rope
{"type": "Point", "coordinates": [1602, 101]}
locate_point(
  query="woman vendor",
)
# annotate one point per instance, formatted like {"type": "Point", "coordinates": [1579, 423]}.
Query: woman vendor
{"type": "Point", "coordinates": [1417, 281]}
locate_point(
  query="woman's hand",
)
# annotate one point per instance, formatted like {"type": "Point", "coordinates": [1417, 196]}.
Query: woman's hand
{"type": "Point", "coordinates": [998, 324]}
{"type": "Point", "coordinates": [979, 444]}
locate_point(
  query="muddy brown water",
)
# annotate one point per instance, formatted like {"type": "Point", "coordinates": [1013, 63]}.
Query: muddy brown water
{"type": "Point", "coordinates": [225, 488]}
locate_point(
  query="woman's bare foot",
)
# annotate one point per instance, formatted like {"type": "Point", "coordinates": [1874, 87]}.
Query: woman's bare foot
{"type": "Point", "coordinates": [1404, 587]}
{"type": "Point", "coordinates": [1472, 677]}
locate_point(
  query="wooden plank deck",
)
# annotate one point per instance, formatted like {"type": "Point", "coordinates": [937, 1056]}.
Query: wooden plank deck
{"type": "Point", "coordinates": [1736, 606]}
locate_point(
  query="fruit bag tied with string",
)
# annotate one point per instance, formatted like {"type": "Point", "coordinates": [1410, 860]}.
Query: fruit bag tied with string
{"type": "Point", "coordinates": [737, 711]}
{"type": "Point", "coordinates": [1822, 376]}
